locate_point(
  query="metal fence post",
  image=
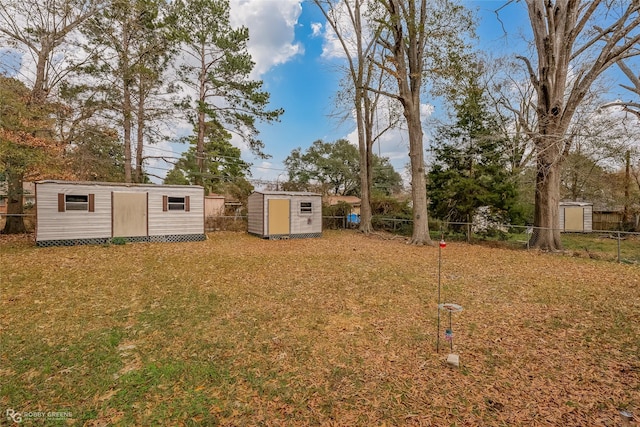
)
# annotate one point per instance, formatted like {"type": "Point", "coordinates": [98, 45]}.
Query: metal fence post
{"type": "Point", "coordinates": [618, 246]}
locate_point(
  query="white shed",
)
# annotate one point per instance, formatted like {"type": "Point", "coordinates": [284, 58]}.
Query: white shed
{"type": "Point", "coordinates": [285, 214]}
{"type": "Point", "coordinates": [576, 217]}
{"type": "Point", "coordinates": [72, 213]}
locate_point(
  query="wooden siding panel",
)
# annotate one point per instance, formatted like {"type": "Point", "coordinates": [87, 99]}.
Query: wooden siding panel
{"type": "Point", "coordinates": [306, 223]}
{"type": "Point", "coordinates": [54, 225]}
{"type": "Point", "coordinates": [165, 222]}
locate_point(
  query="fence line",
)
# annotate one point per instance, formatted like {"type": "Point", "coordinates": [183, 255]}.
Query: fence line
{"type": "Point", "coordinates": [615, 245]}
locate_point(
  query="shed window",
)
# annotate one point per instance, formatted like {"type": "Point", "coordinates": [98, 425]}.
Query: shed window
{"type": "Point", "coordinates": [76, 202]}
{"type": "Point", "coordinates": [174, 203]}
{"type": "Point", "coordinates": [306, 207]}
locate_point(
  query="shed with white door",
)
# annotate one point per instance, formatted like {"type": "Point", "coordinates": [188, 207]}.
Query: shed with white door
{"type": "Point", "coordinates": [285, 214]}
{"type": "Point", "coordinates": [72, 213]}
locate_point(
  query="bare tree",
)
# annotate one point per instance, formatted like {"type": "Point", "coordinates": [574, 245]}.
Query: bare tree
{"type": "Point", "coordinates": [423, 39]}
{"type": "Point", "coordinates": [575, 41]}
{"type": "Point", "coordinates": [348, 21]}
{"type": "Point", "coordinates": [632, 107]}
{"type": "Point", "coordinates": [40, 29]}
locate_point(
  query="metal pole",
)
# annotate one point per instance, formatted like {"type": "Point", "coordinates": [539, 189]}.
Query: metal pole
{"type": "Point", "coordinates": [451, 331]}
{"type": "Point", "coordinates": [441, 245]}
{"type": "Point", "coordinates": [439, 268]}
{"type": "Point", "coordinates": [618, 246]}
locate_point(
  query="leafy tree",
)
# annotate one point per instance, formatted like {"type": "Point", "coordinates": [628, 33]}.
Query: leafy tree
{"type": "Point", "coordinates": [129, 50]}
{"type": "Point", "coordinates": [386, 181]}
{"type": "Point", "coordinates": [356, 32]}
{"type": "Point", "coordinates": [333, 165]}
{"type": "Point", "coordinates": [221, 162]}
{"type": "Point", "coordinates": [40, 29]}
{"type": "Point", "coordinates": [335, 169]}
{"type": "Point", "coordinates": [27, 150]}
{"type": "Point", "coordinates": [470, 167]}
{"type": "Point", "coordinates": [216, 68]}
{"type": "Point", "coordinates": [176, 177]}
{"type": "Point", "coordinates": [97, 155]}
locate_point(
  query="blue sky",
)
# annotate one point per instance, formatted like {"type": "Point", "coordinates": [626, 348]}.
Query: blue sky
{"type": "Point", "coordinates": [287, 42]}
{"type": "Point", "coordinates": [305, 84]}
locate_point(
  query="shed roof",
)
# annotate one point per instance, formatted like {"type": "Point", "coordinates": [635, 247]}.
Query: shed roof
{"type": "Point", "coordinates": [114, 184]}
{"type": "Point", "coordinates": [572, 203]}
{"type": "Point", "coordinates": [352, 200]}
{"type": "Point", "coordinates": [287, 193]}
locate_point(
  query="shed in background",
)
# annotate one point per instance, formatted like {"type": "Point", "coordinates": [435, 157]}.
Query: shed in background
{"type": "Point", "coordinates": [73, 213]}
{"type": "Point", "coordinates": [576, 217]}
{"type": "Point", "coordinates": [285, 214]}
{"type": "Point", "coordinates": [213, 205]}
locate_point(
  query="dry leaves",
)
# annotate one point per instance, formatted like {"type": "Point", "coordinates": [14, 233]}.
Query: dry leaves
{"type": "Point", "coordinates": [339, 330]}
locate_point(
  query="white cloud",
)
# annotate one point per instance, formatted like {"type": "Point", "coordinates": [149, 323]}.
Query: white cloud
{"type": "Point", "coordinates": [271, 27]}
{"type": "Point", "coordinates": [316, 28]}
{"type": "Point", "coordinates": [426, 110]}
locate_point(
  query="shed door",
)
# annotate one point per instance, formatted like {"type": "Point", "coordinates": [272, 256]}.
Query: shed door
{"type": "Point", "coordinates": [279, 216]}
{"type": "Point", "coordinates": [574, 219]}
{"type": "Point", "coordinates": [129, 217]}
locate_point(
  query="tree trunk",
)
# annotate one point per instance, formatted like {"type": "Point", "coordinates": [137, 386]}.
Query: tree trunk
{"type": "Point", "coordinates": [202, 98]}
{"type": "Point", "coordinates": [140, 130]}
{"type": "Point", "coordinates": [364, 136]}
{"type": "Point", "coordinates": [365, 193]}
{"type": "Point", "coordinates": [39, 91]}
{"type": "Point", "coordinates": [126, 104]}
{"type": "Point", "coordinates": [420, 234]}
{"type": "Point", "coordinates": [126, 124]}
{"type": "Point", "coordinates": [365, 202]}
{"type": "Point", "coordinates": [14, 224]}
{"type": "Point", "coordinates": [626, 213]}
{"type": "Point", "coordinates": [546, 235]}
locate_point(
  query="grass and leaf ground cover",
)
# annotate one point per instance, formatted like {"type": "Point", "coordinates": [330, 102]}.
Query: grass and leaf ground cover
{"type": "Point", "coordinates": [339, 330]}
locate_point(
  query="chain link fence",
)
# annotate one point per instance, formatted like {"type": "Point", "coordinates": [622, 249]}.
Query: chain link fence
{"type": "Point", "coordinates": [613, 245]}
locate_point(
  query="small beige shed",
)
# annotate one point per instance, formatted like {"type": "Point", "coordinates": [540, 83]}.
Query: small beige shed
{"type": "Point", "coordinates": [285, 214]}
{"type": "Point", "coordinates": [576, 217]}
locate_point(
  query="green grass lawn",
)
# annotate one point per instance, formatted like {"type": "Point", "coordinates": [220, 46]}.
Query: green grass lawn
{"type": "Point", "coordinates": [339, 330]}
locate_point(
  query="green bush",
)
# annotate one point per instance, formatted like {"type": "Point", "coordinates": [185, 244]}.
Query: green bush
{"type": "Point", "coordinates": [118, 241]}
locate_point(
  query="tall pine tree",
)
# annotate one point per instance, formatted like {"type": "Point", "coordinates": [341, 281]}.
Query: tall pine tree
{"type": "Point", "coordinates": [469, 167]}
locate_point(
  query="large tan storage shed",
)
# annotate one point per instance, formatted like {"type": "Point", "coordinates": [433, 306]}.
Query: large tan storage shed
{"type": "Point", "coordinates": [576, 217]}
{"type": "Point", "coordinates": [285, 214]}
{"type": "Point", "coordinates": [75, 213]}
